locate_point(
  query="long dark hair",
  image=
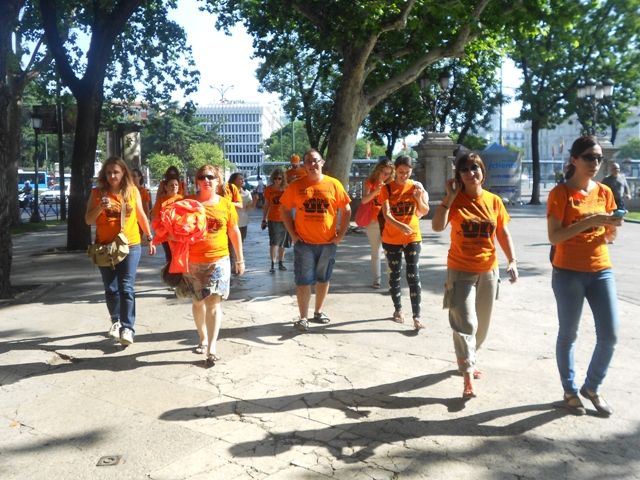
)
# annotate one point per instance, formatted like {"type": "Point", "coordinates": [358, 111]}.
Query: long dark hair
{"type": "Point", "coordinates": [461, 161]}
{"type": "Point", "coordinates": [579, 146]}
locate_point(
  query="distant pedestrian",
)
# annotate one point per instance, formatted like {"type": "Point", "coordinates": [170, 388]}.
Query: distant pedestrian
{"type": "Point", "coordinates": [296, 170]}
{"type": "Point", "coordinates": [321, 222]}
{"type": "Point", "coordinates": [272, 219]}
{"type": "Point", "coordinates": [579, 224]}
{"type": "Point", "coordinates": [114, 193]}
{"type": "Point", "coordinates": [170, 196]}
{"type": "Point", "coordinates": [478, 218]}
{"type": "Point", "coordinates": [260, 192]}
{"type": "Point", "coordinates": [403, 203]}
{"type": "Point", "coordinates": [617, 182]}
{"type": "Point", "coordinates": [171, 172]}
{"type": "Point", "coordinates": [381, 175]}
{"type": "Point", "coordinates": [248, 202]}
{"type": "Point", "coordinates": [209, 271]}
{"type": "Point", "coordinates": [145, 195]}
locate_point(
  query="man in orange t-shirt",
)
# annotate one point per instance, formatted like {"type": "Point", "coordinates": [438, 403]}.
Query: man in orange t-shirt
{"type": "Point", "coordinates": [296, 171]}
{"type": "Point", "coordinates": [320, 201]}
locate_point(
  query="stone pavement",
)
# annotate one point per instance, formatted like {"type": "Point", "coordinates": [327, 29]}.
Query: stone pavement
{"type": "Point", "coordinates": [362, 397]}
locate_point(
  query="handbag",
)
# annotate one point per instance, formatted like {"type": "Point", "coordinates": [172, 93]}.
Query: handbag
{"type": "Point", "coordinates": [363, 214]}
{"type": "Point", "coordinates": [110, 254]}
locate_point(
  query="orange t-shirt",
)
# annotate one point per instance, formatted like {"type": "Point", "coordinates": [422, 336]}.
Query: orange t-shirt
{"type": "Point", "coordinates": [587, 251]}
{"type": "Point", "coordinates": [220, 218]}
{"type": "Point", "coordinates": [145, 195]}
{"type": "Point", "coordinates": [316, 207]}
{"type": "Point", "coordinates": [272, 195]}
{"type": "Point", "coordinates": [376, 203]}
{"type": "Point", "coordinates": [474, 222]}
{"type": "Point", "coordinates": [108, 222]}
{"type": "Point", "coordinates": [230, 192]}
{"type": "Point", "coordinates": [162, 202]}
{"type": "Point", "coordinates": [295, 173]}
{"type": "Point", "coordinates": [403, 208]}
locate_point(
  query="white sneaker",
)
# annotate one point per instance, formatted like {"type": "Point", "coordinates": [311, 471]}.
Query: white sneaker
{"type": "Point", "coordinates": [126, 337]}
{"type": "Point", "coordinates": [114, 331]}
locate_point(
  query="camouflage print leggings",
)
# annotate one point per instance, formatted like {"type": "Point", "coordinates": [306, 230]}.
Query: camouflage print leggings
{"type": "Point", "coordinates": [394, 260]}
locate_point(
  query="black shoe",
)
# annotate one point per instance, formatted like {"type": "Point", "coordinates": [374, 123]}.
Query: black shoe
{"type": "Point", "coordinates": [281, 267]}
{"type": "Point", "coordinates": [273, 268]}
{"type": "Point", "coordinates": [320, 317]}
{"type": "Point", "coordinates": [598, 401]}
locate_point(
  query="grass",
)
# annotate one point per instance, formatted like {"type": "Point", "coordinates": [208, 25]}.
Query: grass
{"type": "Point", "coordinates": [27, 227]}
{"type": "Point", "coordinates": [633, 216]}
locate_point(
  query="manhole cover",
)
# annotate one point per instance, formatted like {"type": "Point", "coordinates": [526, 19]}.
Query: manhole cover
{"type": "Point", "coordinates": [109, 460]}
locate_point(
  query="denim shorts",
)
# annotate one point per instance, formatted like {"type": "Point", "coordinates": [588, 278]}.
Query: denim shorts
{"type": "Point", "coordinates": [313, 262]}
{"type": "Point", "coordinates": [204, 279]}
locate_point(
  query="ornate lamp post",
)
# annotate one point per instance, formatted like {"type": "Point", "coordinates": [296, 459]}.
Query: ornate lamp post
{"type": "Point", "coordinates": [36, 123]}
{"type": "Point", "coordinates": [594, 93]}
{"type": "Point", "coordinates": [434, 102]}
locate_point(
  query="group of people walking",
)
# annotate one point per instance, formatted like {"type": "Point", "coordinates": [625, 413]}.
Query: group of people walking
{"type": "Point", "coordinates": [313, 213]}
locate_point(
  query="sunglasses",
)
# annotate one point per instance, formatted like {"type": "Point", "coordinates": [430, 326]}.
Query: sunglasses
{"type": "Point", "coordinates": [471, 168]}
{"type": "Point", "coordinates": [312, 161]}
{"type": "Point", "coordinates": [590, 157]}
{"type": "Point", "coordinates": [206, 177]}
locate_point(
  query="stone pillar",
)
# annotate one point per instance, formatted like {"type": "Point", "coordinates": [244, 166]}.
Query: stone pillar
{"type": "Point", "coordinates": [131, 152]}
{"type": "Point", "coordinates": [435, 163]}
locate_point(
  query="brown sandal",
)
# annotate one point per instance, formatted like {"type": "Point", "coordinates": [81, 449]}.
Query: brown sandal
{"type": "Point", "coordinates": [398, 317]}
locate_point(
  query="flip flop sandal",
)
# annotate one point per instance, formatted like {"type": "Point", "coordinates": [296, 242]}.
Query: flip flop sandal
{"type": "Point", "coordinates": [398, 317]}
{"type": "Point", "coordinates": [200, 349]}
{"type": "Point", "coordinates": [417, 324]}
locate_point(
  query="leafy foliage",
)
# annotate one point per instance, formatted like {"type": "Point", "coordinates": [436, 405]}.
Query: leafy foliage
{"type": "Point", "coordinates": [280, 145]}
{"type": "Point", "coordinates": [200, 154]}
{"type": "Point", "coordinates": [631, 149]}
{"type": "Point", "coordinates": [159, 162]}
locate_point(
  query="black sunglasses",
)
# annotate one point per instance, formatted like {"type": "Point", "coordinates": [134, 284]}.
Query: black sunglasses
{"type": "Point", "coordinates": [471, 168]}
{"type": "Point", "coordinates": [208, 177]}
{"type": "Point", "coordinates": [590, 157]}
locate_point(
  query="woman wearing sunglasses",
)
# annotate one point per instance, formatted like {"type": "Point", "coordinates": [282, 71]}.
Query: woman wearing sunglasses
{"type": "Point", "coordinates": [478, 218]}
{"type": "Point", "coordinates": [403, 203]}
{"type": "Point", "coordinates": [209, 270]}
{"type": "Point", "coordinates": [278, 236]}
{"type": "Point", "coordinates": [580, 223]}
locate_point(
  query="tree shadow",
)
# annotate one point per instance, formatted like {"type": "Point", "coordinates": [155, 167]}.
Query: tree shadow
{"type": "Point", "coordinates": [353, 402]}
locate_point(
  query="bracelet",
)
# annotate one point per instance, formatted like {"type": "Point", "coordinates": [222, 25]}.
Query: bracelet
{"type": "Point", "coordinates": [513, 260]}
{"type": "Point", "coordinates": [445, 206]}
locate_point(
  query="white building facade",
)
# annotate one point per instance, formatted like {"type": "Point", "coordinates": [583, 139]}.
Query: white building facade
{"type": "Point", "coordinates": [244, 127]}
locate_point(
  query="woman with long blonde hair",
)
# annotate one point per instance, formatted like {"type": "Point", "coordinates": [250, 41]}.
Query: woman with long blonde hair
{"type": "Point", "coordinates": [115, 205]}
{"type": "Point", "coordinates": [382, 174]}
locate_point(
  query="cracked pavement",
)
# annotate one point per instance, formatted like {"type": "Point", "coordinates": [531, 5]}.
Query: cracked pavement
{"type": "Point", "coordinates": [359, 398]}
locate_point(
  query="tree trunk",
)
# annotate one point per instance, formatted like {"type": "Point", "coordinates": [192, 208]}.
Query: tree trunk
{"type": "Point", "coordinates": [8, 185]}
{"type": "Point", "coordinates": [349, 111]}
{"type": "Point", "coordinates": [535, 163]}
{"type": "Point", "coordinates": [82, 161]}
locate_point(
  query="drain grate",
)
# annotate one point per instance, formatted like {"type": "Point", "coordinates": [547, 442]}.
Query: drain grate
{"type": "Point", "coordinates": [109, 460]}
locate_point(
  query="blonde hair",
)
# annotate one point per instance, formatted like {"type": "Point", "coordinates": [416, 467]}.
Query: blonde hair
{"type": "Point", "coordinates": [378, 169]}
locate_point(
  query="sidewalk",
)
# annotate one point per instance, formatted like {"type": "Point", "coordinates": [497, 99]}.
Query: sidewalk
{"type": "Point", "coordinates": [362, 397]}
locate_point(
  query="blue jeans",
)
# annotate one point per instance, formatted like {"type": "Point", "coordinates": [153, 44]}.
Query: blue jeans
{"type": "Point", "coordinates": [570, 289]}
{"type": "Point", "coordinates": [313, 262]}
{"type": "Point", "coordinates": [119, 288]}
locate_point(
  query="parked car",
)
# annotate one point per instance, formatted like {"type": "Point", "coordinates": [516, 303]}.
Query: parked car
{"type": "Point", "coordinates": [52, 195]}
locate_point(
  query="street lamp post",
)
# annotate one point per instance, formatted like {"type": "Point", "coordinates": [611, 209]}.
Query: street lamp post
{"type": "Point", "coordinates": [433, 103]}
{"type": "Point", "coordinates": [594, 93]}
{"type": "Point", "coordinates": [36, 123]}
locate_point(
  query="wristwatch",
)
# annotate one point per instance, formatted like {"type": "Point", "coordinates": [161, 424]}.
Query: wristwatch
{"type": "Point", "coordinates": [149, 238]}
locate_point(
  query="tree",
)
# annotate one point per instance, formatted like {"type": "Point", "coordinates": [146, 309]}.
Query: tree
{"type": "Point", "coordinates": [200, 154]}
{"type": "Point", "coordinates": [362, 36]}
{"type": "Point", "coordinates": [280, 145]}
{"type": "Point", "coordinates": [366, 148]}
{"type": "Point", "coordinates": [117, 29]}
{"type": "Point", "coordinates": [563, 50]}
{"type": "Point", "coordinates": [631, 149]}
{"type": "Point", "coordinates": [158, 164]}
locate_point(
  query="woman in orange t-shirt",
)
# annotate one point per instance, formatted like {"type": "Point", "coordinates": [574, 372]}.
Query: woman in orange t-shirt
{"type": "Point", "coordinates": [116, 196]}
{"type": "Point", "coordinates": [477, 219]}
{"type": "Point", "coordinates": [580, 223]}
{"type": "Point", "coordinates": [145, 195]}
{"type": "Point", "coordinates": [170, 196]}
{"type": "Point", "coordinates": [278, 236]}
{"type": "Point", "coordinates": [381, 175]}
{"type": "Point", "coordinates": [403, 203]}
{"type": "Point", "coordinates": [171, 172]}
{"type": "Point", "coordinates": [209, 271]}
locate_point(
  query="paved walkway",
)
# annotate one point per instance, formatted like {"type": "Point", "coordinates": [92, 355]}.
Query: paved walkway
{"type": "Point", "coordinates": [362, 397]}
